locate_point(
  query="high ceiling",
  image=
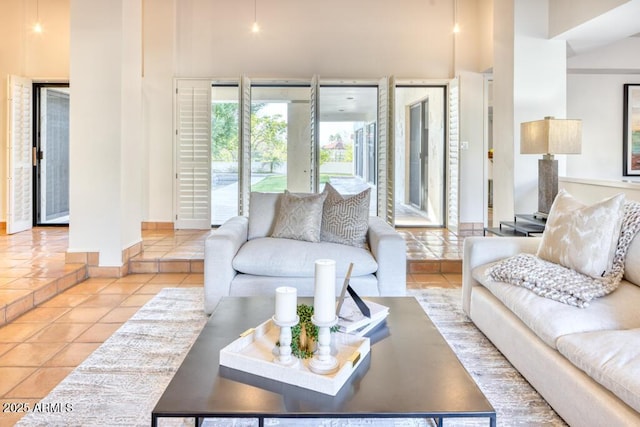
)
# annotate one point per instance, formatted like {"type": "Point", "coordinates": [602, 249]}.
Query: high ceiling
{"type": "Point", "coordinates": [616, 24]}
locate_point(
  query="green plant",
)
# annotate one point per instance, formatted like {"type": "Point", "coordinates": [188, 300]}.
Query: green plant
{"type": "Point", "coordinates": [305, 333]}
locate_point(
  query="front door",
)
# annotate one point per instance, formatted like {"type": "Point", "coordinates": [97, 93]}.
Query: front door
{"type": "Point", "coordinates": [419, 154]}
{"type": "Point", "coordinates": [52, 154]}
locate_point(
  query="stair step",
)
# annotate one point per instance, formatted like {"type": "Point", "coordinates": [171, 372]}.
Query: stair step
{"type": "Point", "coordinates": [143, 265]}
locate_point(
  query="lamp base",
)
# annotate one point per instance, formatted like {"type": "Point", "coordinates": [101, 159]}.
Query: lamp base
{"type": "Point", "coordinates": [547, 184]}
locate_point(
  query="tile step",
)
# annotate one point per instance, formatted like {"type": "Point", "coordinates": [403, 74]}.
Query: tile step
{"type": "Point", "coordinates": [49, 289]}
{"type": "Point", "coordinates": [168, 265]}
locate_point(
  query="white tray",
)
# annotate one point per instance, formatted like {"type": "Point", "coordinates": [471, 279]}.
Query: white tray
{"type": "Point", "coordinates": [256, 349]}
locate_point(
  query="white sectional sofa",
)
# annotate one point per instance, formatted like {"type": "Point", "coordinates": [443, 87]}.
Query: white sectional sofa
{"type": "Point", "coordinates": [241, 258]}
{"type": "Point", "coordinates": [584, 361]}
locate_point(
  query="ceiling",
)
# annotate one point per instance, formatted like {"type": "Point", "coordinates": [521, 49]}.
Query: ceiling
{"type": "Point", "coordinates": [616, 24]}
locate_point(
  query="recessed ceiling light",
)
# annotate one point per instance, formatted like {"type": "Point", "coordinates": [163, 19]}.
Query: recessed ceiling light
{"type": "Point", "coordinates": [350, 98]}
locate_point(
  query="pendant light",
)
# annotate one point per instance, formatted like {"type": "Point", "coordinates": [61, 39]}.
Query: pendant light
{"type": "Point", "coordinates": [37, 27]}
{"type": "Point", "coordinates": [255, 28]}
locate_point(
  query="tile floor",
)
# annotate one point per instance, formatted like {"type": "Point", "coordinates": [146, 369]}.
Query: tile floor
{"type": "Point", "coordinates": [39, 348]}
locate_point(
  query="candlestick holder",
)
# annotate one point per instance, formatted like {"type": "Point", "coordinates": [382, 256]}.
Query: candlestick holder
{"type": "Point", "coordinates": [284, 351]}
{"type": "Point", "coordinates": [323, 362]}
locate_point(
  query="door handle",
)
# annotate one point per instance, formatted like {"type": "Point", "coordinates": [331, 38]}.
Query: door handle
{"type": "Point", "coordinates": [36, 155]}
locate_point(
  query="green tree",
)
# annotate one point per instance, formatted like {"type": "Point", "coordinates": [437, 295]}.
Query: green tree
{"type": "Point", "coordinates": [325, 156]}
{"type": "Point", "coordinates": [348, 153]}
{"type": "Point", "coordinates": [224, 132]}
{"type": "Point", "coordinates": [268, 138]}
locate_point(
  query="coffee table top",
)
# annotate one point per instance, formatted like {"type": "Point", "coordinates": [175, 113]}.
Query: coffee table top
{"type": "Point", "coordinates": [410, 372]}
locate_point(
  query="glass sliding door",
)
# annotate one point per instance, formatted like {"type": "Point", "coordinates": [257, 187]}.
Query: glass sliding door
{"type": "Point", "coordinates": [280, 138]}
{"type": "Point", "coordinates": [348, 139]}
{"type": "Point", "coordinates": [52, 154]}
{"type": "Point", "coordinates": [420, 156]}
{"type": "Point", "coordinates": [225, 152]}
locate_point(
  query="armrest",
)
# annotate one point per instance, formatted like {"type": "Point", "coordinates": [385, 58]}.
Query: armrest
{"type": "Point", "coordinates": [482, 250]}
{"type": "Point", "coordinates": [390, 251]}
{"type": "Point", "coordinates": [220, 248]}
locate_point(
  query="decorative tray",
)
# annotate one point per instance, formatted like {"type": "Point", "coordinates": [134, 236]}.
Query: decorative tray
{"type": "Point", "coordinates": [255, 350]}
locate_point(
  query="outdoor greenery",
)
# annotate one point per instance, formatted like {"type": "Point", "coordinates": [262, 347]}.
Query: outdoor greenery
{"type": "Point", "coordinates": [268, 135]}
{"type": "Point", "coordinates": [278, 183]}
{"type": "Point", "coordinates": [268, 141]}
{"type": "Point", "coordinates": [224, 132]}
{"type": "Point", "coordinates": [268, 138]}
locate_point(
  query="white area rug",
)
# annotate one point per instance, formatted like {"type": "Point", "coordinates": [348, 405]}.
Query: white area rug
{"type": "Point", "coordinates": [120, 383]}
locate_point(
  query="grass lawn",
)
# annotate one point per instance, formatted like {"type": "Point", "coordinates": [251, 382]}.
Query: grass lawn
{"type": "Point", "coordinates": [278, 183]}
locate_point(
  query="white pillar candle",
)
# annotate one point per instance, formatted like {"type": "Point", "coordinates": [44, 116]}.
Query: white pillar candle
{"type": "Point", "coordinates": [286, 304]}
{"type": "Point", "coordinates": [324, 298]}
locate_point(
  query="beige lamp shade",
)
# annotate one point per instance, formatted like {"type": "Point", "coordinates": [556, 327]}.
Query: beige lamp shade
{"type": "Point", "coordinates": [551, 136]}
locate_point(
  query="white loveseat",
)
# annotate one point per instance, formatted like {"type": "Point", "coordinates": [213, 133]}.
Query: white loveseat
{"type": "Point", "coordinates": [584, 362]}
{"type": "Point", "coordinates": [241, 259]}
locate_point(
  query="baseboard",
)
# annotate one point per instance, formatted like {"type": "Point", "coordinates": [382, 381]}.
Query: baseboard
{"type": "Point", "coordinates": [470, 226]}
{"type": "Point", "coordinates": [92, 261]}
{"type": "Point", "coordinates": [157, 225]}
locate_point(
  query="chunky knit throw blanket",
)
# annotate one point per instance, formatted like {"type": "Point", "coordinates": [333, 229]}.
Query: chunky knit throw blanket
{"type": "Point", "coordinates": [563, 284]}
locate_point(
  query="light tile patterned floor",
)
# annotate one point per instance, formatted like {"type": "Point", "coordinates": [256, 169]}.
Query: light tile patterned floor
{"type": "Point", "coordinates": [41, 347]}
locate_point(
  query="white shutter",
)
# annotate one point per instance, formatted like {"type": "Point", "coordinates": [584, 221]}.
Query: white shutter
{"type": "Point", "coordinates": [245, 145]}
{"type": "Point", "coordinates": [19, 155]}
{"type": "Point", "coordinates": [453, 158]}
{"type": "Point", "coordinates": [193, 154]}
{"type": "Point", "coordinates": [386, 198]}
{"type": "Point", "coordinates": [315, 134]}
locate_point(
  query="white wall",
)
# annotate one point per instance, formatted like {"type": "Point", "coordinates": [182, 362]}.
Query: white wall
{"type": "Point", "coordinates": [158, 92]}
{"type": "Point", "coordinates": [474, 157]}
{"type": "Point", "coordinates": [539, 91]}
{"type": "Point", "coordinates": [595, 95]}
{"type": "Point", "coordinates": [597, 99]}
{"type": "Point", "coordinates": [567, 14]}
{"type": "Point", "coordinates": [105, 128]}
{"type": "Point", "coordinates": [332, 38]}
{"type": "Point", "coordinates": [529, 84]}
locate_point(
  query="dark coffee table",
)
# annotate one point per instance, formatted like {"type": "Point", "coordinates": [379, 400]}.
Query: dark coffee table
{"type": "Point", "coordinates": [410, 372]}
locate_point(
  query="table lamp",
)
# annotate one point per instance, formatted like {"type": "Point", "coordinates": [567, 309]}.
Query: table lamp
{"type": "Point", "coordinates": [548, 137]}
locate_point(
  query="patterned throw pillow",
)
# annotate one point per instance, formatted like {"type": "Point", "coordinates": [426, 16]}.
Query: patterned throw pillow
{"type": "Point", "coordinates": [345, 220]}
{"type": "Point", "coordinates": [299, 217]}
{"type": "Point", "coordinates": [582, 237]}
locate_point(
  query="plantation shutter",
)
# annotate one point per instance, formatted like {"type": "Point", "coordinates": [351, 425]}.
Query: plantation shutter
{"type": "Point", "coordinates": [453, 158]}
{"type": "Point", "coordinates": [245, 145]}
{"type": "Point", "coordinates": [193, 154]}
{"type": "Point", "coordinates": [385, 150]}
{"type": "Point", "coordinates": [19, 153]}
{"type": "Point", "coordinates": [315, 134]}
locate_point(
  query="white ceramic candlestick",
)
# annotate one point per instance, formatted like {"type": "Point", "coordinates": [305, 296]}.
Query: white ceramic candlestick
{"type": "Point", "coordinates": [284, 351]}
{"type": "Point", "coordinates": [323, 362]}
{"type": "Point", "coordinates": [286, 304]}
{"type": "Point", "coordinates": [324, 298]}
{"type": "Point", "coordinates": [286, 317]}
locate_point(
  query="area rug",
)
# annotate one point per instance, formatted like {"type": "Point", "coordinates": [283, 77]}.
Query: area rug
{"type": "Point", "coordinates": [120, 383]}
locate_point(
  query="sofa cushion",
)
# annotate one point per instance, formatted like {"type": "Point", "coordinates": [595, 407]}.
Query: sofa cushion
{"type": "Point", "coordinates": [299, 217]}
{"type": "Point", "coordinates": [612, 358]}
{"type": "Point", "coordinates": [345, 219]}
{"type": "Point", "coordinates": [632, 263]}
{"type": "Point", "coordinates": [247, 285]}
{"type": "Point", "coordinates": [581, 237]}
{"type": "Point", "coordinates": [550, 319]}
{"type": "Point", "coordinates": [262, 213]}
{"type": "Point", "coordinates": [270, 256]}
